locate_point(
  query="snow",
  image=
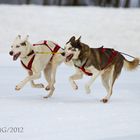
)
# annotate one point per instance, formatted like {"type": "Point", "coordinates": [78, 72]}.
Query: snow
{"type": "Point", "coordinates": [70, 114]}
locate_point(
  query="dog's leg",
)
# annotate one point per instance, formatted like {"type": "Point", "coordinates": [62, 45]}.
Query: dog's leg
{"type": "Point", "coordinates": [105, 80]}
{"type": "Point", "coordinates": [52, 80]}
{"type": "Point", "coordinates": [33, 83]}
{"type": "Point", "coordinates": [27, 79]}
{"type": "Point", "coordinates": [47, 74]}
{"type": "Point", "coordinates": [96, 73]}
{"type": "Point", "coordinates": [108, 81]}
{"type": "Point", "coordinates": [78, 75]}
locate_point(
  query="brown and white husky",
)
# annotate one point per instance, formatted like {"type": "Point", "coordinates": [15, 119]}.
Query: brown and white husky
{"type": "Point", "coordinates": [94, 62]}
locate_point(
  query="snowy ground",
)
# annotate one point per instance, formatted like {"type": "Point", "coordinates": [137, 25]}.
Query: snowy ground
{"type": "Point", "coordinates": [70, 115]}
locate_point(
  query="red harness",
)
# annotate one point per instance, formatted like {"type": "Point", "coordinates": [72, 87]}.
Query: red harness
{"type": "Point", "coordinates": [29, 65]}
{"type": "Point", "coordinates": [110, 59]}
{"type": "Point", "coordinates": [82, 68]}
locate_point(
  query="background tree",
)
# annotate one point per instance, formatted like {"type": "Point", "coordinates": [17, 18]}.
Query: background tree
{"type": "Point", "coordinates": [59, 2]}
{"type": "Point", "coordinates": [75, 2]}
{"type": "Point", "coordinates": [27, 1]}
{"type": "Point", "coordinates": [45, 2]}
{"type": "Point", "coordinates": [116, 3]}
{"type": "Point", "coordinates": [127, 3]}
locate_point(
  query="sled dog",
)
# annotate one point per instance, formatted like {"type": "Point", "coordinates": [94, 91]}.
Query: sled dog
{"type": "Point", "coordinates": [93, 62]}
{"type": "Point", "coordinates": [42, 56]}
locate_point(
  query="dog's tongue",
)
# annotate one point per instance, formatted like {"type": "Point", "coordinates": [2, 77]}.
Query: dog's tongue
{"type": "Point", "coordinates": [16, 56]}
{"type": "Point", "coordinates": [69, 57]}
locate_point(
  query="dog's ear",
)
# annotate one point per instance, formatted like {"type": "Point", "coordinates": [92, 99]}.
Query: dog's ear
{"type": "Point", "coordinates": [78, 42]}
{"type": "Point", "coordinates": [72, 39]}
{"type": "Point", "coordinates": [18, 37]}
{"type": "Point", "coordinates": [26, 38]}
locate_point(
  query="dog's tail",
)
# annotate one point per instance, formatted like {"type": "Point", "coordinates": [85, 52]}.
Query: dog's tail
{"type": "Point", "coordinates": [131, 65]}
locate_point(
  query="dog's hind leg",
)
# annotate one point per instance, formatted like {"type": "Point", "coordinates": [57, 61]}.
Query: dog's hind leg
{"type": "Point", "coordinates": [47, 74]}
{"type": "Point", "coordinates": [33, 83]}
{"type": "Point", "coordinates": [108, 79]}
{"type": "Point", "coordinates": [52, 79]}
{"type": "Point", "coordinates": [105, 80]}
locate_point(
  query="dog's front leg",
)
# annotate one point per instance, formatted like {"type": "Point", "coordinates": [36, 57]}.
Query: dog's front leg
{"type": "Point", "coordinates": [27, 79]}
{"type": "Point", "coordinates": [78, 75]}
{"type": "Point", "coordinates": [33, 84]}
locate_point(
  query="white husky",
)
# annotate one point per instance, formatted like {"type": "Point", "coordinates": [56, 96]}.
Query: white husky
{"type": "Point", "coordinates": [43, 56]}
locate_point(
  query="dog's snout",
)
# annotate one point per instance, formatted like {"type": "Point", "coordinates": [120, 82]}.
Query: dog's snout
{"type": "Point", "coordinates": [11, 52]}
{"type": "Point", "coordinates": [63, 53]}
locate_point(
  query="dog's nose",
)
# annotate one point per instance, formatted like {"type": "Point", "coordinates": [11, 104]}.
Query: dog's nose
{"type": "Point", "coordinates": [63, 53]}
{"type": "Point", "coordinates": [11, 52]}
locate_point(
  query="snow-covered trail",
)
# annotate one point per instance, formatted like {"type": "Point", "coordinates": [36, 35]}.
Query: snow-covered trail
{"type": "Point", "coordinates": [68, 114]}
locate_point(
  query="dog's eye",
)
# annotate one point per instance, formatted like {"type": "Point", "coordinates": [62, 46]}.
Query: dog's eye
{"type": "Point", "coordinates": [69, 48]}
{"type": "Point", "coordinates": [73, 49]}
{"type": "Point", "coordinates": [17, 46]}
{"type": "Point", "coordinates": [23, 44]}
{"type": "Point", "coordinates": [11, 46]}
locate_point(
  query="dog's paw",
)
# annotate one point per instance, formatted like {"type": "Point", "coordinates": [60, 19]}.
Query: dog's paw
{"type": "Point", "coordinates": [18, 87]}
{"type": "Point", "coordinates": [39, 86]}
{"type": "Point", "coordinates": [47, 87]}
{"type": "Point", "coordinates": [45, 97]}
{"type": "Point", "coordinates": [50, 93]}
{"type": "Point", "coordinates": [87, 89]}
{"type": "Point", "coordinates": [104, 100]}
{"type": "Point", "coordinates": [74, 86]}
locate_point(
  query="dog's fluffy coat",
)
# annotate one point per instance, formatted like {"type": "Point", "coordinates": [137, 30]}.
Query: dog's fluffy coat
{"type": "Point", "coordinates": [22, 48]}
{"type": "Point", "coordinates": [97, 63]}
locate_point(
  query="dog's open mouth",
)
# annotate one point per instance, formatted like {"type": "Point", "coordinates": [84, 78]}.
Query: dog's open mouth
{"type": "Point", "coordinates": [69, 57]}
{"type": "Point", "coordinates": [15, 57]}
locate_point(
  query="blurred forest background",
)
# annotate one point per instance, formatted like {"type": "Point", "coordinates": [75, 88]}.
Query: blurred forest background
{"type": "Point", "coordinates": [102, 3]}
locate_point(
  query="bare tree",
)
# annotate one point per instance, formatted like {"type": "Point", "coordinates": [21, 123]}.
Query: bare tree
{"type": "Point", "coordinates": [27, 1]}
{"type": "Point", "coordinates": [127, 3]}
{"type": "Point", "coordinates": [45, 2]}
{"type": "Point", "coordinates": [60, 2]}
{"type": "Point", "coordinates": [75, 2]}
{"type": "Point", "coordinates": [116, 3]}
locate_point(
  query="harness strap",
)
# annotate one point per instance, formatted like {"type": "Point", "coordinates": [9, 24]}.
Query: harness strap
{"type": "Point", "coordinates": [56, 48]}
{"type": "Point", "coordinates": [29, 66]}
{"type": "Point", "coordinates": [110, 59]}
{"type": "Point", "coordinates": [32, 52]}
{"type": "Point", "coordinates": [82, 68]}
